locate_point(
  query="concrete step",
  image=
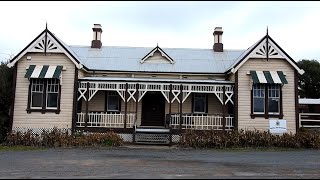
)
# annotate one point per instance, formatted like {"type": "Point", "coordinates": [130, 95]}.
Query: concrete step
{"type": "Point", "coordinates": [152, 129]}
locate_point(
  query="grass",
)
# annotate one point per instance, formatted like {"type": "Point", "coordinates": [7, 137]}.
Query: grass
{"type": "Point", "coordinates": [18, 148]}
{"type": "Point", "coordinates": [258, 149]}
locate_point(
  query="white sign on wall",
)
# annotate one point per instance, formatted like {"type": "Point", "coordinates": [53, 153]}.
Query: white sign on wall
{"type": "Point", "coordinates": [277, 126]}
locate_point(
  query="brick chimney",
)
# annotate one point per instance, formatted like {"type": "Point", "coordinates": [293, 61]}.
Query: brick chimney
{"type": "Point", "coordinates": [97, 31]}
{"type": "Point", "coordinates": [217, 46]}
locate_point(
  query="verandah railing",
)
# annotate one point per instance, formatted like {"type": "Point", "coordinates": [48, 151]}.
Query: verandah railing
{"type": "Point", "coordinates": [309, 120]}
{"type": "Point", "coordinates": [189, 121]}
{"type": "Point", "coordinates": [103, 119]}
{"type": "Point", "coordinates": [201, 121]}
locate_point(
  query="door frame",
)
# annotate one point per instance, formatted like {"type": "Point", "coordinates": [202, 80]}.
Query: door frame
{"type": "Point", "coordinates": [143, 110]}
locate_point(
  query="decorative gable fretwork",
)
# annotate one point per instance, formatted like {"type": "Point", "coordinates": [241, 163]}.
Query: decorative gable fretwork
{"type": "Point", "coordinates": [157, 55]}
{"type": "Point", "coordinates": [164, 88]}
{"type": "Point", "coordinates": [46, 44]}
{"type": "Point", "coordinates": [264, 49]}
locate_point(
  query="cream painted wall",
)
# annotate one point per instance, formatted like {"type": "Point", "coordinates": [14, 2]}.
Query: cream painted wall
{"type": "Point", "coordinates": [244, 96]}
{"type": "Point", "coordinates": [21, 118]}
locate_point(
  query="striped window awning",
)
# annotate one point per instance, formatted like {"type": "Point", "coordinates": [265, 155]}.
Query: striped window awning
{"type": "Point", "coordinates": [270, 77]}
{"type": "Point", "coordinates": [45, 71]}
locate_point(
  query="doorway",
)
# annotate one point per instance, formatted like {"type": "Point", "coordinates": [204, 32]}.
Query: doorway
{"type": "Point", "coordinates": [153, 109]}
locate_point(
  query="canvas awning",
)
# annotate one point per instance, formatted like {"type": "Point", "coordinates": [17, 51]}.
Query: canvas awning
{"type": "Point", "coordinates": [45, 71]}
{"type": "Point", "coordinates": [270, 77]}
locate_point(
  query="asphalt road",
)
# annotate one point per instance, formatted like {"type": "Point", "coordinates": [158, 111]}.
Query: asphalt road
{"type": "Point", "coordinates": [154, 162]}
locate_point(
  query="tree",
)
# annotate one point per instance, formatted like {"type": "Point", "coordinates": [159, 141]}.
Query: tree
{"type": "Point", "coordinates": [6, 75]}
{"type": "Point", "coordinates": [309, 82]}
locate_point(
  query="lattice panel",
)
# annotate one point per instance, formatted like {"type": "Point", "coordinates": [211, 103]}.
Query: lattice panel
{"type": "Point", "coordinates": [152, 138]}
{"type": "Point", "coordinates": [38, 131]}
{"type": "Point", "coordinates": [126, 137]}
{"type": "Point", "coordinates": [176, 138]}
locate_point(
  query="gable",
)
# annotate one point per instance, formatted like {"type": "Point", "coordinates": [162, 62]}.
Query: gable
{"type": "Point", "coordinates": [45, 43]}
{"type": "Point", "coordinates": [157, 58]}
{"type": "Point", "coordinates": [157, 55]}
{"type": "Point", "coordinates": [265, 48]}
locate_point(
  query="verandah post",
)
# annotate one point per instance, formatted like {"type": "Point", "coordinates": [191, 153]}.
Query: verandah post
{"type": "Point", "coordinates": [170, 138]}
{"type": "Point", "coordinates": [136, 118]}
{"type": "Point", "coordinates": [75, 101]}
{"type": "Point", "coordinates": [170, 104]}
{"type": "Point", "coordinates": [137, 102]}
{"type": "Point", "coordinates": [87, 108]}
{"type": "Point", "coordinates": [125, 106]}
{"type": "Point", "coordinates": [224, 109]}
{"type": "Point", "coordinates": [180, 95]}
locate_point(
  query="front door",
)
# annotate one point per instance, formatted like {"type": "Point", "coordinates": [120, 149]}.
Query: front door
{"type": "Point", "coordinates": [153, 109]}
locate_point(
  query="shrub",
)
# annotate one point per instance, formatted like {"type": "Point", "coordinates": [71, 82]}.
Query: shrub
{"type": "Point", "coordinates": [62, 138]}
{"type": "Point", "coordinates": [246, 139]}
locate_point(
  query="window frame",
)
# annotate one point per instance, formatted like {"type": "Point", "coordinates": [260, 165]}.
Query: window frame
{"type": "Point", "coordinates": [277, 96]}
{"type": "Point", "coordinates": [205, 103]}
{"type": "Point", "coordinates": [43, 109]}
{"type": "Point", "coordinates": [34, 89]}
{"type": "Point", "coordinates": [266, 113]}
{"type": "Point", "coordinates": [56, 83]}
{"type": "Point", "coordinates": [260, 89]}
{"type": "Point", "coordinates": [107, 94]}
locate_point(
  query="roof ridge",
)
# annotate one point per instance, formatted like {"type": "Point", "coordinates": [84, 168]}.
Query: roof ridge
{"type": "Point", "coordinates": [87, 46]}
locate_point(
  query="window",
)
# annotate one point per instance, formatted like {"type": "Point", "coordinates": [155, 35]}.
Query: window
{"type": "Point", "coordinates": [113, 101]}
{"type": "Point", "coordinates": [36, 93]}
{"type": "Point", "coordinates": [44, 95]}
{"type": "Point", "coordinates": [258, 98]}
{"type": "Point", "coordinates": [266, 100]}
{"type": "Point", "coordinates": [274, 99]}
{"type": "Point", "coordinates": [199, 103]}
{"type": "Point", "coordinates": [52, 93]}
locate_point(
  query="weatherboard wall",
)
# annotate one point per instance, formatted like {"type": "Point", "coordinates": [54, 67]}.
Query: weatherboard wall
{"type": "Point", "coordinates": [244, 94]}
{"type": "Point", "coordinates": [21, 118]}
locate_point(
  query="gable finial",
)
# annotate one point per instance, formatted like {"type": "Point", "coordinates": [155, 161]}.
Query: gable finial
{"type": "Point", "coordinates": [45, 44]}
{"type": "Point", "coordinates": [157, 44]}
{"type": "Point", "coordinates": [267, 45]}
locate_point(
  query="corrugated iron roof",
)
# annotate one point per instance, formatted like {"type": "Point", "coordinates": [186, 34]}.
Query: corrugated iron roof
{"type": "Point", "coordinates": [187, 60]}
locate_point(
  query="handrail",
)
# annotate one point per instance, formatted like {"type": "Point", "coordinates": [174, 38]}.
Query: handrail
{"type": "Point", "coordinates": [201, 122]}
{"type": "Point", "coordinates": [310, 119]}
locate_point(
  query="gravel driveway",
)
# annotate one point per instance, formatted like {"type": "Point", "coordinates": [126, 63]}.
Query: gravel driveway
{"type": "Point", "coordinates": [150, 162]}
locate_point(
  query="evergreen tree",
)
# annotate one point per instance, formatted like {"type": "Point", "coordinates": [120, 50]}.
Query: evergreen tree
{"type": "Point", "coordinates": [309, 82]}
{"type": "Point", "coordinates": [6, 75]}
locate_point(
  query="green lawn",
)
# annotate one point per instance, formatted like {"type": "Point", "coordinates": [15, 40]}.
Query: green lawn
{"type": "Point", "coordinates": [19, 148]}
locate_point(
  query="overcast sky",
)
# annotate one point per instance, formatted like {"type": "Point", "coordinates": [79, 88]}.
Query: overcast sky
{"type": "Point", "coordinates": [295, 26]}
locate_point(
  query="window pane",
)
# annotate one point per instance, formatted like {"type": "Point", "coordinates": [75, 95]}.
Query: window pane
{"type": "Point", "coordinates": [274, 98]}
{"type": "Point", "coordinates": [258, 98]}
{"type": "Point", "coordinates": [258, 104]}
{"type": "Point", "coordinates": [274, 105]}
{"type": "Point", "coordinates": [36, 99]}
{"type": "Point", "coordinates": [199, 103]}
{"type": "Point", "coordinates": [113, 103]}
{"type": "Point", "coordinates": [52, 100]}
